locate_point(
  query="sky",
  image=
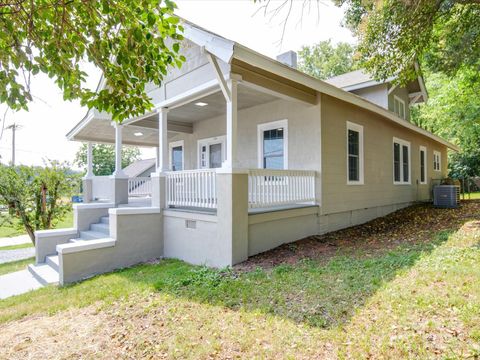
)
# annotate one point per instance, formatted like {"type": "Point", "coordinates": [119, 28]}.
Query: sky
{"type": "Point", "coordinates": [43, 128]}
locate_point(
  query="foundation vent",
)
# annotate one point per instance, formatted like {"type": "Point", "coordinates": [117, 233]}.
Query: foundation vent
{"type": "Point", "coordinates": [190, 224]}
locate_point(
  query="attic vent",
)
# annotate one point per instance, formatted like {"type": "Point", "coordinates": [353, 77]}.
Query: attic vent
{"type": "Point", "coordinates": [190, 224]}
{"type": "Point", "coordinates": [289, 58]}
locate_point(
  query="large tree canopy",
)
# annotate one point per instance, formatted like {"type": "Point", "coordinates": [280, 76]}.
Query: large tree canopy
{"type": "Point", "coordinates": [393, 34]}
{"type": "Point", "coordinates": [132, 42]}
{"type": "Point", "coordinates": [325, 60]}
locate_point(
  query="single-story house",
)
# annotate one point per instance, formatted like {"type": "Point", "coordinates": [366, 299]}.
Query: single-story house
{"type": "Point", "coordinates": [252, 153]}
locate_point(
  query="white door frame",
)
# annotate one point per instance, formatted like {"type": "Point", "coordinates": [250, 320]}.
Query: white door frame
{"type": "Point", "coordinates": [207, 142]}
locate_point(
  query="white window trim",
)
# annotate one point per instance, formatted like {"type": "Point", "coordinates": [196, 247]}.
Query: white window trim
{"type": "Point", "coordinates": [407, 143]}
{"type": "Point", "coordinates": [209, 141]}
{"type": "Point", "coordinates": [359, 129]}
{"type": "Point", "coordinates": [425, 169]}
{"type": "Point", "coordinates": [170, 148]}
{"type": "Point", "coordinates": [401, 101]}
{"type": "Point", "coordinates": [270, 126]}
{"type": "Point", "coordinates": [439, 154]}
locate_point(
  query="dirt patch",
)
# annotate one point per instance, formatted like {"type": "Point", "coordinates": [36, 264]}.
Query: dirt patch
{"type": "Point", "coordinates": [411, 225]}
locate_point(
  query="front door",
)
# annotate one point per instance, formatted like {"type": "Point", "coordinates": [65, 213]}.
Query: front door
{"type": "Point", "coordinates": [211, 152]}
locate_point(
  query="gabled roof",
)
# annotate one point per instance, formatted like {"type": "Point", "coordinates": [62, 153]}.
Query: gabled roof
{"type": "Point", "coordinates": [227, 50]}
{"type": "Point", "coordinates": [354, 80]}
{"type": "Point", "coordinates": [138, 167]}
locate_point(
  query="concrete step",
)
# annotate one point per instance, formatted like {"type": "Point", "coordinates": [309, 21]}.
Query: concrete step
{"type": "Point", "coordinates": [105, 219]}
{"type": "Point", "coordinates": [77, 240]}
{"type": "Point", "coordinates": [53, 262]}
{"type": "Point", "coordinates": [101, 227]}
{"type": "Point", "coordinates": [44, 273]}
{"type": "Point", "coordinates": [91, 235]}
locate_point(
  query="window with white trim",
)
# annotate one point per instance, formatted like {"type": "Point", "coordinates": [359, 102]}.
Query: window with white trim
{"type": "Point", "coordinates": [399, 107]}
{"type": "Point", "coordinates": [423, 165]}
{"type": "Point", "coordinates": [273, 145]}
{"type": "Point", "coordinates": [354, 154]}
{"type": "Point", "coordinates": [401, 161]}
{"type": "Point", "coordinates": [176, 157]}
{"type": "Point", "coordinates": [437, 160]}
{"type": "Point", "coordinates": [211, 152]}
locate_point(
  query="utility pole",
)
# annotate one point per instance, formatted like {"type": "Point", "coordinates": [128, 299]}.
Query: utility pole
{"type": "Point", "coordinates": [13, 127]}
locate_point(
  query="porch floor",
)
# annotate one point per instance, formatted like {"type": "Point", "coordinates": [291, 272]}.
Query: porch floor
{"type": "Point", "coordinates": [250, 211]}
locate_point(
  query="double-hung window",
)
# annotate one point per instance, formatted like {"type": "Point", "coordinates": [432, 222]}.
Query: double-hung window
{"type": "Point", "coordinates": [399, 107]}
{"type": "Point", "coordinates": [401, 161]}
{"type": "Point", "coordinates": [437, 160]}
{"type": "Point", "coordinates": [273, 145]}
{"type": "Point", "coordinates": [423, 165]}
{"type": "Point", "coordinates": [354, 154]}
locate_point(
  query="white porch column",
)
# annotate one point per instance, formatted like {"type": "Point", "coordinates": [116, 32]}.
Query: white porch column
{"type": "Point", "coordinates": [89, 173]}
{"type": "Point", "coordinates": [157, 157]}
{"type": "Point", "coordinates": [158, 178]}
{"type": "Point", "coordinates": [118, 150]}
{"type": "Point", "coordinates": [231, 161]}
{"type": "Point", "coordinates": [162, 140]}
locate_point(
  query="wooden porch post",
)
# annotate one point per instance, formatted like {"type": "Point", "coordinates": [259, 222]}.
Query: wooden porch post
{"type": "Point", "coordinates": [231, 161]}
{"type": "Point", "coordinates": [89, 173]}
{"type": "Point", "coordinates": [118, 150]}
{"type": "Point", "coordinates": [162, 140]}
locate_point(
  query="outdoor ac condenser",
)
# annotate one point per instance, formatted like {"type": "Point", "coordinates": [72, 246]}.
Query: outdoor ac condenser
{"type": "Point", "coordinates": [446, 196]}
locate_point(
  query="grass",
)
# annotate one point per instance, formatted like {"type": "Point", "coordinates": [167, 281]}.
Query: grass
{"type": "Point", "coordinates": [12, 266]}
{"type": "Point", "coordinates": [414, 300]}
{"type": "Point", "coordinates": [10, 230]}
{"type": "Point", "coordinates": [16, 247]}
{"type": "Point", "coordinates": [473, 196]}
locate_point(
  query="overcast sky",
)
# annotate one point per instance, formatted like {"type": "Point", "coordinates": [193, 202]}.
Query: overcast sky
{"type": "Point", "coordinates": [43, 128]}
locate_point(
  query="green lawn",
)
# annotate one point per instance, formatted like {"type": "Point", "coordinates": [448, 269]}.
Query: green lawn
{"type": "Point", "coordinates": [15, 247]}
{"type": "Point", "coordinates": [473, 196]}
{"type": "Point", "coordinates": [10, 230]}
{"type": "Point", "coordinates": [370, 298]}
{"type": "Point", "coordinates": [15, 265]}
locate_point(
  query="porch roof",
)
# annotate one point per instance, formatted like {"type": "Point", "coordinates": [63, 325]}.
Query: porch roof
{"type": "Point", "coordinates": [233, 53]}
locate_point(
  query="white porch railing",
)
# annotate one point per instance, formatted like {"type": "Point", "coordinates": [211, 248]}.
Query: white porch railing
{"type": "Point", "coordinates": [269, 188]}
{"type": "Point", "coordinates": [192, 188]}
{"type": "Point", "coordinates": [140, 186]}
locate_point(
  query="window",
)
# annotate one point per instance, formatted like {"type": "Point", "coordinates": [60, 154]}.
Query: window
{"type": "Point", "coordinates": [401, 161]}
{"type": "Point", "coordinates": [273, 145]}
{"type": "Point", "coordinates": [437, 160]}
{"type": "Point", "coordinates": [399, 107]}
{"type": "Point", "coordinates": [211, 152]}
{"type": "Point", "coordinates": [176, 155]}
{"type": "Point", "coordinates": [423, 165]}
{"type": "Point", "coordinates": [354, 154]}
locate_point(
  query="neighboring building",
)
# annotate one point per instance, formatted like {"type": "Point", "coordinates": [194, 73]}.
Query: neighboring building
{"type": "Point", "coordinates": [140, 168]}
{"type": "Point", "coordinates": [265, 155]}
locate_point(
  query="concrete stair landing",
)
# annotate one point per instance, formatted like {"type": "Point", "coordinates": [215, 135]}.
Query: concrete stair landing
{"type": "Point", "coordinates": [47, 273]}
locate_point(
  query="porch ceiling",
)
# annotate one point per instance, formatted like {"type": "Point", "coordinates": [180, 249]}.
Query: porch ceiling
{"type": "Point", "coordinates": [180, 119]}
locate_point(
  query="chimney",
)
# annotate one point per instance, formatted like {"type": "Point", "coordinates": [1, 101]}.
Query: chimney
{"type": "Point", "coordinates": [289, 58]}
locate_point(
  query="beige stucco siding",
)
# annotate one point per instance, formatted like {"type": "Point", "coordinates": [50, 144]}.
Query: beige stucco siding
{"type": "Point", "coordinates": [378, 188]}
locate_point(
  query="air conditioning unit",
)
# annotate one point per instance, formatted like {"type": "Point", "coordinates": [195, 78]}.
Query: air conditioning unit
{"type": "Point", "coordinates": [446, 196]}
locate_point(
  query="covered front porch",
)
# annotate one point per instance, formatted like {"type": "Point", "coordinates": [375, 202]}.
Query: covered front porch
{"type": "Point", "coordinates": [199, 135]}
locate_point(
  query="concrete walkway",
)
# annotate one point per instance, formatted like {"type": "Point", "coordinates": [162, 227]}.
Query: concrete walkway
{"type": "Point", "coordinates": [17, 283]}
{"type": "Point", "coordinates": [14, 255]}
{"type": "Point", "coordinates": [16, 240]}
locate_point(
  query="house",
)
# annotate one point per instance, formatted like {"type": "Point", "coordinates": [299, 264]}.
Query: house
{"type": "Point", "coordinates": [138, 173]}
{"type": "Point", "coordinates": [251, 154]}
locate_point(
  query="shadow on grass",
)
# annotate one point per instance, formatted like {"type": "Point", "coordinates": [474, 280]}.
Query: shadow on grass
{"type": "Point", "coordinates": [318, 294]}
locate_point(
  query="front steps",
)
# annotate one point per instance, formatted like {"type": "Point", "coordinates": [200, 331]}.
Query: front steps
{"type": "Point", "coordinates": [48, 272]}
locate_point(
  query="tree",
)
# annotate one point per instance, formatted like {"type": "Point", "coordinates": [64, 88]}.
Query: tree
{"type": "Point", "coordinates": [132, 42]}
{"type": "Point", "coordinates": [394, 34]}
{"type": "Point", "coordinates": [35, 196]}
{"type": "Point", "coordinates": [453, 112]}
{"type": "Point", "coordinates": [104, 158]}
{"type": "Point", "coordinates": [325, 60]}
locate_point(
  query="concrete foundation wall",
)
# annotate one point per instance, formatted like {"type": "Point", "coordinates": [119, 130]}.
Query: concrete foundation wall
{"type": "Point", "coordinates": [268, 230]}
{"type": "Point", "coordinates": [192, 237]}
